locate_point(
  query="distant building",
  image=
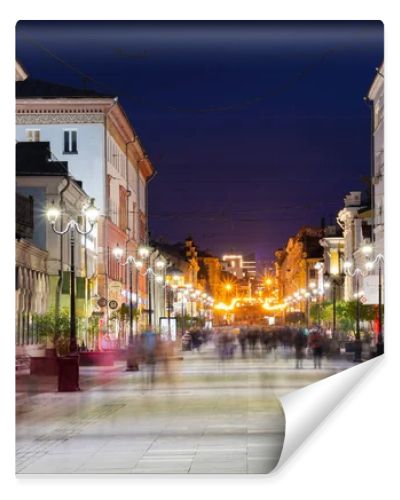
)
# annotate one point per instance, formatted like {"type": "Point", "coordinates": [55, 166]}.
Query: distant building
{"type": "Point", "coordinates": [295, 263]}
{"type": "Point", "coordinates": [211, 274]}
{"type": "Point", "coordinates": [233, 263]}
{"type": "Point", "coordinates": [250, 266]}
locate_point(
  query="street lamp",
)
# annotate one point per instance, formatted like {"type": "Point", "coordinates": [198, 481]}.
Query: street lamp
{"type": "Point", "coordinates": [182, 293]}
{"type": "Point", "coordinates": [316, 297]}
{"type": "Point", "coordinates": [143, 253]}
{"type": "Point", "coordinates": [336, 279]}
{"type": "Point", "coordinates": [70, 381]}
{"type": "Point", "coordinates": [357, 273]}
{"type": "Point", "coordinates": [307, 295]}
{"type": "Point", "coordinates": [157, 273]}
{"type": "Point", "coordinates": [369, 266]}
{"type": "Point", "coordinates": [131, 262]}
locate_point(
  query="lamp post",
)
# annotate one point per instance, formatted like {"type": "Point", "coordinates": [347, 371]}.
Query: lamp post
{"type": "Point", "coordinates": [137, 263]}
{"type": "Point", "coordinates": [307, 297]}
{"type": "Point", "coordinates": [131, 262]}
{"type": "Point", "coordinates": [357, 273]}
{"type": "Point", "coordinates": [380, 346]}
{"type": "Point", "coordinates": [182, 294]}
{"type": "Point", "coordinates": [318, 300]}
{"type": "Point", "coordinates": [68, 379]}
{"type": "Point", "coordinates": [336, 279]}
{"type": "Point", "coordinates": [379, 259]}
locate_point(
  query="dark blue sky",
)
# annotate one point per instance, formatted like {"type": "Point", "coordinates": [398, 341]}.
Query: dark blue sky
{"type": "Point", "coordinates": [255, 128]}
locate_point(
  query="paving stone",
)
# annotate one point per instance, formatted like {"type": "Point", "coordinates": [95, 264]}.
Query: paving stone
{"type": "Point", "coordinates": [216, 418]}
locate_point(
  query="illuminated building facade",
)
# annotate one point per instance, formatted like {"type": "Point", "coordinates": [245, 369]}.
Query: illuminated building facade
{"type": "Point", "coordinates": [92, 132]}
{"type": "Point", "coordinates": [295, 264]}
{"type": "Point", "coordinates": [233, 263]}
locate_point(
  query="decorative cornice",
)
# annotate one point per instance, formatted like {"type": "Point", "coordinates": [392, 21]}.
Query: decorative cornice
{"type": "Point", "coordinates": [57, 118]}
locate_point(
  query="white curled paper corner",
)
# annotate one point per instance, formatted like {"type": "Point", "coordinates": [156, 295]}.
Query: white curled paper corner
{"type": "Point", "coordinates": [308, 407]}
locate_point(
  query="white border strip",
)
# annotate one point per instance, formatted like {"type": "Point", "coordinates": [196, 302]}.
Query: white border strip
{"type": "Point", "coordinates": [308, 407]}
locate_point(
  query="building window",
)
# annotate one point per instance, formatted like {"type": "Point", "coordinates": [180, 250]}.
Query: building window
{"type": "Point", "coordinates": [70, 141]}
{"type": "Point", "coordinates": [33, 135]}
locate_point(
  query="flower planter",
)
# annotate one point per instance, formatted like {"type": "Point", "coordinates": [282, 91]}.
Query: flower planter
{"type": "Point", "coordinates": [43, 365]}
{"type": "Point", "coordinates": [96, 358]}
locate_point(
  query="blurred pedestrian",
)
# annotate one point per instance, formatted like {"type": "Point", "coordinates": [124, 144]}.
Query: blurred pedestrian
{"type": "Point", "coordinates": [299, 341]}
{"type": "Point", "coordinates": [242, 337]}
{"type": "Point", "coordinates": [315, 342]}
{"type": "Point", "coordinates": [149, 350]}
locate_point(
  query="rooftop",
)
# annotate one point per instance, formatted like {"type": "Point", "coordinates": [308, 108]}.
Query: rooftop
{"type": "Point", "coordinates": [35, 158]}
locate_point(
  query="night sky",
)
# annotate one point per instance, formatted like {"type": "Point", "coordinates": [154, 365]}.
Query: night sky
{"type": "Point", "coordinates": [254, 128]}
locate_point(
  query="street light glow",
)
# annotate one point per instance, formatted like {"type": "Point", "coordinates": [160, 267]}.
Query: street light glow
{"type": "Point", "coordinates": [53, 213]}
{"type": "Point", "coordinates": [92, 212]}
{"type": "Point", "coordinates": [160, 264]}
{"type": "Point", "coordinates": [143, 252]}
{"type": "Point", "coordinates": [366, 249]}
{"type": "Point", "coordinates": [117, 252]}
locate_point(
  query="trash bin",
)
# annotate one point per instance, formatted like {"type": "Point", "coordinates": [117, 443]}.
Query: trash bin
{"type": "Point", "coordinates": [68, 373]}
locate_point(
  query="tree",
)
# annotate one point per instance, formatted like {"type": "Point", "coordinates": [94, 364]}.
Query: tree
{"type": "Point", "coordinates": [346, 314]}
{"type": "Point", "coordinates": [322, 311]}
{"type": "Point", "coordinates": [55, 328]}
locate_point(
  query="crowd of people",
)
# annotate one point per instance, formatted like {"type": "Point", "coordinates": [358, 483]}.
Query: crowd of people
{"type": "Point", "coordinates": [246, 341]}
{"type": "Point", "coordinates": [256, 341]}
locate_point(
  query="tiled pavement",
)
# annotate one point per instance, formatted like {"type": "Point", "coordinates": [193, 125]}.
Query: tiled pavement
{"type": "Point", "coordinates": [206, 417]}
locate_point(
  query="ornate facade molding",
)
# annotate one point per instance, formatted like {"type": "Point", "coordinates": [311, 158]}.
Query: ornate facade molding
{"type": "Point", "coordinates": [30, 256]}
{"type": "Point", "coordinates": [58, 118]}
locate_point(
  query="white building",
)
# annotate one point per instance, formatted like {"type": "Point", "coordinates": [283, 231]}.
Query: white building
{"type": "Point", "coordinates": [376, 98]}
{"type": "Point", "coordinates": [31, 280]}
{"type": "Point", "coordinates": [331, 270]}
{"type": "Point", "coordinates": [45, 181]}
{"type": "Point", "coordinates": [93, 134]}
{"type": "Point", "coordinates": [355, 219]}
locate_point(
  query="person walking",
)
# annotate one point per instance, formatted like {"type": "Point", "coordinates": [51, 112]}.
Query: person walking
{"type": "Point", "coordinates": [315, 342]}
{"type": "Point", "coordinates": [299, 341]}
{"type": "Point", "coordinates": [150, 349]}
